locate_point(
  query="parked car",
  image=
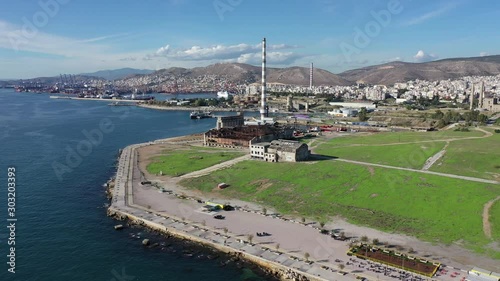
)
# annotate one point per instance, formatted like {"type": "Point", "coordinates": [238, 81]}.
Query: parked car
{"type": "Point", "coordinates": [219, 217]}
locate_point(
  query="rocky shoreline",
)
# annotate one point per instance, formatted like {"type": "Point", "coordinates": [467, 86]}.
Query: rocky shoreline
{"type": "Point", "coordinates": [267, 268]}
{"type": "Point", "coordinates": [165, 241]}
{"type": "Point", "coordinates": [231, 255]}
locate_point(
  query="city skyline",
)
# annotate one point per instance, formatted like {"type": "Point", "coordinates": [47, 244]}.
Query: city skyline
{"type": "Point", "coordinates": [49, 37]}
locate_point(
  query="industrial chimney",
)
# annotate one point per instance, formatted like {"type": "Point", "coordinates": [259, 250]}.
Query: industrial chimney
{"type": "Point", "coordinates": [472, 97]}
{"type": "Point", "coordinates": [311, 77]}
{"type": "Point", "coordinates": [263, 111]}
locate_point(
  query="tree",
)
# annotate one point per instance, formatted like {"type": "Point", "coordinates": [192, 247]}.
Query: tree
{"type": "Point", "coordinates": [225, 230]}
{"type": "Point", "coordinates": [322, 224]}
{"type": "Point", "coordinates": [438, 114]}
{"type": "Point", "coordinates": [264, 211]}
{"type": "Point", "coordinates": [364, 238]}
{"type": "Point", "coordinates": [362, 115]}
{"type": "Point", "coordinates": [375, 241]}
{"type": "Point", "coordinates": [441, 123]}
{"type": "Point", "coordinates": [277, 246]}
{"type": "Point", "coordinates": [306, 256]}
{"type": "Point", "coordinates": [303, 220]}
{"type": "Point", "coordinates": [341, 266]}
{"type": "Point", "coordinates": [482, 118]}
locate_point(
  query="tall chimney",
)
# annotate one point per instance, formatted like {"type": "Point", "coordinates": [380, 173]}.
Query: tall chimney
{"type": "Point", "coordinates": [481, 97]}
{"type": "Point", "coordinates": [311, 77]}
{"type": "Point", "coordinates": [263, 98]}
{"type": "Point", "coordinates": [472, 97]}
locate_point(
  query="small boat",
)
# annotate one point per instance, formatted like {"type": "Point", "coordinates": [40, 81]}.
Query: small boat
{"type": "Point", "coordinates": [200, 114]}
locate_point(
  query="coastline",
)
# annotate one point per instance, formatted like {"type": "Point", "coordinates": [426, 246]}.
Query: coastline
{"type": "Point", "coordinates": [123, 208]}
{"type": "Point", "coordinates": [192, 108]}
{"type": "Point", "coordinates": [166, 220]}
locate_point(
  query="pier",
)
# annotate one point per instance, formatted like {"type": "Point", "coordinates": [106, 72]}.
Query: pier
{"type": "Point", "coordinates": [93, 99]}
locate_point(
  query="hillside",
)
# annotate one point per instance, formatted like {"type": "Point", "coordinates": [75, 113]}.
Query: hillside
{"type": "Point", "coordinates": [393, 72]}
{"type": "Point", "coordinates": [118, 73]}
{"type": "Point", "coordinates": [245, 74]}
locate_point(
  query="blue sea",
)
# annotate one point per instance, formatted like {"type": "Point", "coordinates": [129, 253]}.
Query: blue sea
{"type": "Point", "coordinates": [62, 231]}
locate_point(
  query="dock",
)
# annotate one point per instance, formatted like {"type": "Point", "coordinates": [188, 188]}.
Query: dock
{"type": "Point", "coordinates": [94, 99]}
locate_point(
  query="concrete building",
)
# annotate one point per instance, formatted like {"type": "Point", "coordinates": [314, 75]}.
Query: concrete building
{"type": "Point", "coordinates": [357, 105]}
{"type": "Point", "coordinates": [230, 121]}
{"type": "Point", "coordinates": [491, 104]}
{"type": "Point", "coordinates": [344, 112]}
{"type": "Point", "coordinates": [280, 151]}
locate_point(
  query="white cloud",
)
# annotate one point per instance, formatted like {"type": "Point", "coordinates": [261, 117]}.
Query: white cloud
{"type": "Point", "coordinates": [277, 58]}
{"type": "Point", "coordinates": [102, 38]}
{"type": "Point", "coordinates": [484, 54]}
{"type": "Point", "coordinates": [430, 15]}
{"type": "Point", "coordinates": [163, 50]}
{"type": "Point", "coordinates": [76, 55]}
{"type": "Point", "coordinates": [421, 56]}
{"type": "Point", "coordinates": [218, 52]}
{"type": "Point", "coordinates": [21, 38]}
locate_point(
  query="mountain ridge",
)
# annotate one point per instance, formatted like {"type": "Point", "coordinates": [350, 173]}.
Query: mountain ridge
{"type": "Point", "coordinates": [451, 68]}
{"type": "Point", "coordinates": [116, 74]}
{"type": "Point", "coordinates": [239, 73]}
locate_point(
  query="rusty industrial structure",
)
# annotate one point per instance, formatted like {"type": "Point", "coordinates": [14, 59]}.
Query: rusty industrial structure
{"type": "Point", "coordinates": [243, 136]}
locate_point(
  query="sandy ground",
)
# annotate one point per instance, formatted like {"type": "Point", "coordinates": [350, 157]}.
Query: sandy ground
{"type": "Point", "coordinates": [292, 237]}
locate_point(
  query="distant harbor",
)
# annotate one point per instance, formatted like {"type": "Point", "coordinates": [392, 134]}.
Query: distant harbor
{"type": "Point", "coordinates": [94, 99]}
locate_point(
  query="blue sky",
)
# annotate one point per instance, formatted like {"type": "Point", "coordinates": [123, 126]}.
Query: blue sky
{"type": "Point", "coordinates": [49, 37]}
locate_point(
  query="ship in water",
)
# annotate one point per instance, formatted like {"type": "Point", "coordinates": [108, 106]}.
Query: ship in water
{"type": "Point", "coordinates": [223, 94]}
{"type": "Point", "coordinates": [200, 114]}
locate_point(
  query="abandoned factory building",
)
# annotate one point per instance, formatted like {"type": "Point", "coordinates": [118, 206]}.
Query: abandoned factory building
{"type": "Point", "coordinates": [280, 151]}
{"type": "Point", "coordinates": [242, 136]}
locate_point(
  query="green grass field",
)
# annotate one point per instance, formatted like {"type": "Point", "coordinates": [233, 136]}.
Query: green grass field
{"type": "Point", "coordinates": [402, 137]}
{"type": "Point", "coordinates": [476, 158]}
{"type": "Point", "coordinates": [411, 155]}
{"type": "Point", "coordinates": [495, 221]}
{"type": "Point", "coordinates": [432, 208]}
{"type": "Point", "coordinates": [183, 161]}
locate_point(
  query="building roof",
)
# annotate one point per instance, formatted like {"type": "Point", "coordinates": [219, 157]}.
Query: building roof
{"type": "Point", "coordinates": [286, 145]}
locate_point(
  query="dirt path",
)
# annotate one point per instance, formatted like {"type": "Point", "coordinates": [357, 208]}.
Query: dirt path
{"type": "Point", "coordinates": [486, 217]}
{"type": "Point", "coordinates": [419, 171]}
{"type": "Point", "coordinates": [486, 135]}
{"type": "Point", "coordinates": [433, 159]}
